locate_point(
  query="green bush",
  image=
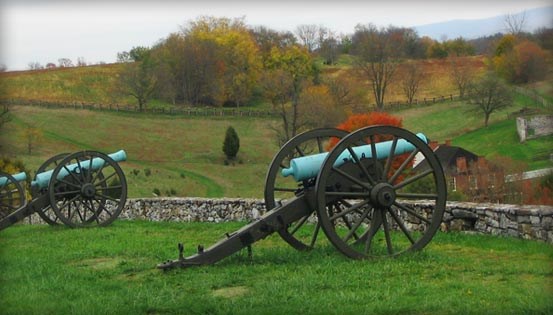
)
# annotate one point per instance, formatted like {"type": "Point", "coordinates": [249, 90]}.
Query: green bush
{"type": "Point", "coordinates": [231, 145]}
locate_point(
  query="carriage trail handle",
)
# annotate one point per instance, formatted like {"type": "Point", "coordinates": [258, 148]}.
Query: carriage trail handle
{"type": "Point", "coordinates": [43, 179]}
{"type": "Point", "coordinates": [307, 167]}
{"type": "Point", "coordinates": [19, 177]}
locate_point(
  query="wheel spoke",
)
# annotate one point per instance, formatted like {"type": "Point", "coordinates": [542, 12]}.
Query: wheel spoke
{"type": "Point", "coordinates": [351, 178]}
{"type": "Point", "coordinates": [356, 225]}
{"type": "Point", "coordinates": [98, 172]}
{"type": "Point", "coordinates": [375, 225]}
{"type": "Point", "coordinates": [81, 171]}
{"type": "Point", "coordinates": [349, 210]}
{"type": "Point", "coordinates": [104, 180]}
{"type": "Point", "coordinates": [390, 158]}
{"type": "Point", "coordinates": [403, 165]}
{"type": "Point", "coordinates": [103, 207]}
{"type": "Point", "coordinates": [315, 234]}
{"type": "Point", "coordinates": [89, 177]}
{"type": "Point", "coordinates": [373, 155]}
{"type": "Point", "coordinates": [72, 174]}
{"type": "Point", "coordinates": [361, 166]}
{"type": "Point", "coordinates": [320, 145]}
{"type": "Point", "coordinates": [413, 179]}
{"type": "Point", "coordinates": [401, 225]}
{"type": "Point", "coordinates": [411, 211]}
{"type": "Point", "coordinates": [68, 202]}
{"type": "Point", "coordinates": [91, 208]}
{"type": "Point", "coordinates": [387, 234]}
{"type": "Point", "coordinates": [63, 181]}
{"type": "Point", "coordinates": [300, 151]}
{"type": "Point", "coordinates": [301, 222]}
{"type": "Point", "coordinates": [107, 197]}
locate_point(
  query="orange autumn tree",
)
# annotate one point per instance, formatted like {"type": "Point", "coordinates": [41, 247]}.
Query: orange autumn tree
{"type": "Point", "coordinates": [358, 121]}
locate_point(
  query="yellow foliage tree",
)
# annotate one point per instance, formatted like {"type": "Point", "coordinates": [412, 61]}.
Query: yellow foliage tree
{"type": "Point", "coordinates": [238, 61]}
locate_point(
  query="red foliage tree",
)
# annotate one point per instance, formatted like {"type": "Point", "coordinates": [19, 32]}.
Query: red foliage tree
{"type": "Point", "coordinates": [359, 121]}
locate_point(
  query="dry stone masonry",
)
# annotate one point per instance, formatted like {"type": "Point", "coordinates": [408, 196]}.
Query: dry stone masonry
{"type": "Point", "coordinates": [521, 221]}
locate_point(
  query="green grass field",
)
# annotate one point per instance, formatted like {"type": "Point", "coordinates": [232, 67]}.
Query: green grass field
{"type": "Point", "coordinates": [184, 157]}
{"type": "Point", "coordinates": [111, 270]}
{"type": "Point", "coordinates": [184, 154]}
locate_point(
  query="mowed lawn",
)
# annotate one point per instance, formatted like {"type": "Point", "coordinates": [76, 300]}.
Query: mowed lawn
{"type": "Point", "coordinates": [45, 270]}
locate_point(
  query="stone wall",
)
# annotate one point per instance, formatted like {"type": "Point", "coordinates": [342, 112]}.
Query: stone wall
{"type": "Point", "coordinates": [534, 127]}
{"type": "Point", "coordinates": [528, 222]}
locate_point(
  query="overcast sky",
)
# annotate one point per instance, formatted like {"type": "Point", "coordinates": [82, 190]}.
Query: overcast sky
{"type": "Point", "coordinates": [44, 31]}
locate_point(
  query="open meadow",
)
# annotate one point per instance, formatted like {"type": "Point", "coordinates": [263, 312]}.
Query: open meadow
{"type": "Point", "coordinates": [55, 270]}
{"type": "Point", "coordinates": [182, 156]}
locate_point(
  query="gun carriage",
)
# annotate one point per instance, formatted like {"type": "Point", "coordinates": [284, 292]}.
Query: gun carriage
{"type": "Point", "coordinates": [82, 189]}
{"type": "Point", "coordinates": [359, 188]}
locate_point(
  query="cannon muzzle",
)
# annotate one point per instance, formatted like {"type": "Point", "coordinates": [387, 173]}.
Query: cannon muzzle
{"type": "Point", "coordinates": [307, 167]}
{"type": "Point", "coordinates": [18, 177]}
{"type": "Point", "coordinates": [42, 179]}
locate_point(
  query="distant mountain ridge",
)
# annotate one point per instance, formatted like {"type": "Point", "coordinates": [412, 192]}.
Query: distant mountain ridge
{"type": "Point", "coordinates": [470, 29]}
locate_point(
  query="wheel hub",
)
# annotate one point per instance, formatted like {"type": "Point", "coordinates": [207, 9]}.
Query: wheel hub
{"type": "Point", "coordinates": [88, 190]}
{"type": "Point", "coordinates": [383, 195]}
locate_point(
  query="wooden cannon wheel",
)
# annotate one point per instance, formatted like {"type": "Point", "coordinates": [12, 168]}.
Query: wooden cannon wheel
{"type": "Point", "coordinates": [299, 235]}
{"type": "Point", "coordinates": [12, 195]}
{"type": "Point", "coordinates": [82, 195]}
{"type": "Point", "coordinates": [46, 213]}
{"type": "Point", "coordinates": [365, 206]}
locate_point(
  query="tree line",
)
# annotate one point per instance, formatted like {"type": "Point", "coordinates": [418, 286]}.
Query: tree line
{"type": "Point", "coordinates": [223, 62]}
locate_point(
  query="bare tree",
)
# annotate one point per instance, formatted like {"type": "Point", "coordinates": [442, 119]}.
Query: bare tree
{"type": "Point", "coordinates": [462, 75]}
{"type": "Point", "coordinates": [65, 62]}
{"type": "Point", "coordinates": [489, 95]}
{"type": "Point", "coordinates": [515, 23]}
{"type": "Point", "coordinates": [138, 80]}
{"type": "Point", "coordinates": [35, 65]}
{"type": "Point", "coordinates": [33, 136]}
{"type": "Point", "coordinates": [308, 35]}
{"type": "Point", "coordinates": [411, 81]}
{"type": "Point", "coordinates": [81, 62]}
{"type": "Point", "coordinates": [378, 52]}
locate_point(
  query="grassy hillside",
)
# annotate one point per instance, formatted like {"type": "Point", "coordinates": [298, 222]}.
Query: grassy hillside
{"type": "Point", "coordinates": [184, 154]}
{"type": "Point", "coordinates": [92, 84]}
{"type": "Point", "coordinates": [97, 84]}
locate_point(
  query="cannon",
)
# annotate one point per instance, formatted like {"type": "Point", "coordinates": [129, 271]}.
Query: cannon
{"type": "Point", "coordinates": [376, 192]}
{"type": "Point", "coordinates": [82, 189]}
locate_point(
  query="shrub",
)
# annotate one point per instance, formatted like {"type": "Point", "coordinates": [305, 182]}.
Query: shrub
{"type": "Point", "coordinates": [231, 144]}
{"type": "Point", "coordinates": [147, 172]}
{"type": "Point", "coordinates": [157, 192]}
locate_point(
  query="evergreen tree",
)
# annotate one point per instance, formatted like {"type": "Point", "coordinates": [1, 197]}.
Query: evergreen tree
{"type": "Point", "coordinates": [231, 145]}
